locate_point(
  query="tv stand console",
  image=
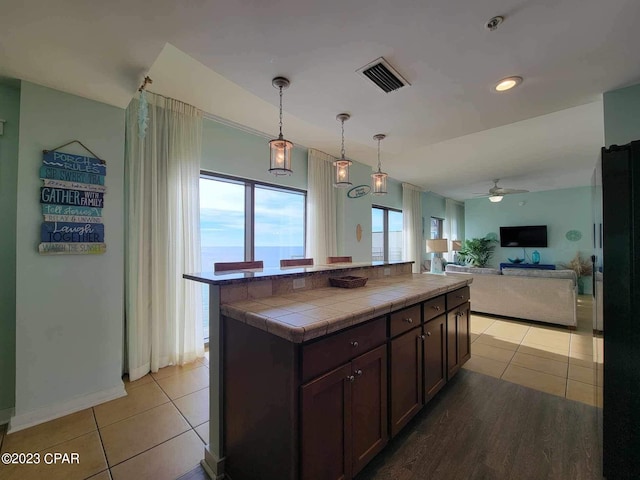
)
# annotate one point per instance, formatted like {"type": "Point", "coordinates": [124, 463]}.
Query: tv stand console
{"type": "Point", "coordinates": [540, 266]}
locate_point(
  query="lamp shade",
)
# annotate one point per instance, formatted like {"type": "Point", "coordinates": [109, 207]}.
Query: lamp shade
{"type": "Point", "coordinates": [437, 245]}
{"type": "Point", "coordinates": [456, 245]}
{"type": "Point", "coordinates": [495, 198]}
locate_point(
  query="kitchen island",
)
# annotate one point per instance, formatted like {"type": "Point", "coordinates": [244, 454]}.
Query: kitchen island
{"type": "Point", "coordinates": [310, 381]}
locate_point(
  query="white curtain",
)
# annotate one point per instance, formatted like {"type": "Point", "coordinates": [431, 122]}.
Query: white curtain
{"type": "Point", "coordinates": [163, 311]}
{"type": "Point", "coordinates": [321, 208]}
{"type": "Point", "coordinates": [412, 225]}
{"type": "Point", "coordinates": [453, 224]}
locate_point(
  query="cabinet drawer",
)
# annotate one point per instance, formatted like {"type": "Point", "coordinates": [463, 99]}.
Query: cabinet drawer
{"type": "Point", "coordinates": [433, 308]}
{"type": "Point", "coordinates": [404, 320]}
{"type": "Point", "coordinates": [328, 353]}
{"type": "Point", "coordinates": [457, 297]}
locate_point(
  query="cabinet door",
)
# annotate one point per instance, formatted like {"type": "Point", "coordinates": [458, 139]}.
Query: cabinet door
{"type": "Point", "coordinates": [326, 426]}
{"type": "Point", "coordinates": [464, 339]}
{"type": "Point", "coordinates": [406, 378]}
{"type": "Point", "coordinates": [452, 344]}
{"type": "Point", "coordinates": [369, 406]}
{"type": "Point", "coordinates": [435, 356]}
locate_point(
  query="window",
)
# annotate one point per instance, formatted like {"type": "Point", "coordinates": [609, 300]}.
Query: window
{"type": "Point", "coordinates": [436, 227]}
{"type": "Point", "coordinates": [242, 220]}
{"type": "Point", "coordinates": [386, 234]}
{"type": "Point", "coordinates": [279, 218]}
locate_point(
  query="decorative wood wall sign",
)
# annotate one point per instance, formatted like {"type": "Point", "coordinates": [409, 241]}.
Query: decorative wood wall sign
{"type": "Point", "coordinates": [72, 198]}
{"type": "Point", "coordinates": [359, 191]}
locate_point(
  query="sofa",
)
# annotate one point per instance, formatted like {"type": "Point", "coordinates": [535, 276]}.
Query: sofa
{"type": "Point", "coordinates": [541, 295]}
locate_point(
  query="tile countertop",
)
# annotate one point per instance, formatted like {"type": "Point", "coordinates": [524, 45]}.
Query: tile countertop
{"type": "Point", "coordinates": [305, 315]}
{"type": "Point", "coordinates": [242, 276]}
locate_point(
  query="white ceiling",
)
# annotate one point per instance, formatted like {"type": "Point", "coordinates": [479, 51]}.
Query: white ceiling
{"type": "Point", "coordinates": [447, 132]}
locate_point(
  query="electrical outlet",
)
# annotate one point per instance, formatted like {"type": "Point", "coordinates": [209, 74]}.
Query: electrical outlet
{"type": "Point", "coordinates": [298, 283]}
{"type": "Point", "coordinates": [387, 271]}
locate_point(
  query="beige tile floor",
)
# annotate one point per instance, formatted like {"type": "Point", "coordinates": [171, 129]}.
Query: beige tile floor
{"type": "Point", "coordinates": [158, 431]}
{"type": "Point", "coordinates": [547, 358]}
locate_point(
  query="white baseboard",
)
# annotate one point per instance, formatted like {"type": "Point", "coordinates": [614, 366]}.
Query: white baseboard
{"type": "Point", "coordinates": [5, 415]}
{"type": "Point", "coordinates": [41, 415]}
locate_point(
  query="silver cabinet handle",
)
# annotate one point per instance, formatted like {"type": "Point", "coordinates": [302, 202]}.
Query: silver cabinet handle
{"type": "Point", "coordinates": [459, 296]}
{"type": "Point", "coordinates": [423, 337]}
{"type": "Point", "coordinates": [408, 320]}
{"type": "Point", "coordinates": [436, 307]}
{"type": "Point", "coordinates": [354, 344]}
{"type": "Point", "coordinates": [428, 334]}
{"type": "Point", "coordinates": [351, 378]}
{"type": "Point", "coordinates": [358, 372]}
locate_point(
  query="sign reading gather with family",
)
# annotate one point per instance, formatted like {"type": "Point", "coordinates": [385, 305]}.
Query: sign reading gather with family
{"type": "Point", "coordinates": [72, 199]}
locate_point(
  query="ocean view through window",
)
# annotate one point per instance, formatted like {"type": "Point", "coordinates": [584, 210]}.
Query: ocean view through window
{"type": "Point", "coordinates": [242, 220]}
{"type": "Point", "coordinates": [386, 234]}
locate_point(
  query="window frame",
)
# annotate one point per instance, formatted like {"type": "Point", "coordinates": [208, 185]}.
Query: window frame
{"type": "Point", "coordinates": [385, 229]}
{"type": "Point", "coordinates": [249, 207]}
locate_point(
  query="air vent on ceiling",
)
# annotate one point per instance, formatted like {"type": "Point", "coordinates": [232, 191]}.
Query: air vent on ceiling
{"type": "Point", "coordinates": [383, 75]}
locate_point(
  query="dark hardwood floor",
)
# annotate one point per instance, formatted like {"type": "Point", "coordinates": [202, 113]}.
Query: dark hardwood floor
{"type": "Point", "coordinates": [480, 427]}
{"type": "Point", "coordinates": [197, 473]}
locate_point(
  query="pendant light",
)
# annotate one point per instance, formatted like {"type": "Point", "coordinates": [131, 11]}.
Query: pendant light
{"type": "Point", "coordinates": [379, 178]}
{"type": "Point", "coordinates": [280, 162]}
{"type": "Point", "coordinates": [341, 170]}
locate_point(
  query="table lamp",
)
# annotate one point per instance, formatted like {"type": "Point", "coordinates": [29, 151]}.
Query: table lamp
{"type": "Point", "coordinates": [456, 245]}
{"type": "Point", "coordinates": [437, 247]}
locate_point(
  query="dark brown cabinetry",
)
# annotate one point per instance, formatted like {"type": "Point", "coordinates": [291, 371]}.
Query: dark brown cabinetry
{"type": "Point", "coordinates": [435, 356]}
{"type": "Point", "coordinates": [405, 378]}
{"type": "Point", "coordinates": [422, 359]}
{"type": "Point", "coordinates": [326, 426]}
{"type": "Point", "coordinates": [344, 417]}
{"type": "Point", "coordinates": [326, 407]}
{"type": "Point", "coordinates": [369, 406]}
{"type": "Point", "coordinates": [458, 338]}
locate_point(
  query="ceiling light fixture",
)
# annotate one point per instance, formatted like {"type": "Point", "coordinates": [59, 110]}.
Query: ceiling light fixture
{"type": "Point", "coordinates": [495, 198]}
{"type": "Point", "coordinates": [507, 84]}
{"type": "Point", "coordinates": [492, 23]}
{"type": "Point", "coordinates": [379, 178]}
{"type": "Point", "coordinates": [341, 178]}
{"type": "Point", "coordinates": [280, 162]}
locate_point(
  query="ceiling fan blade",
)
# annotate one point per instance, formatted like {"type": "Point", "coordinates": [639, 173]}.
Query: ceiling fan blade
{"type": "Point", "coordinates": [509, 191]}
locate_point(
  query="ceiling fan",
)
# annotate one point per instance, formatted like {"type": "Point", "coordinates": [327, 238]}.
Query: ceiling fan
{"type": "Point", "coordinates": [496, 193]}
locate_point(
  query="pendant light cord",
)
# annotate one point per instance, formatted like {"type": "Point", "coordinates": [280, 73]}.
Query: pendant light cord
{"type": "Point", "coordinates": [342, 151]}
{"type": "Point", "coordinates": [379, 166]}
{"type": "Point", "coordinates": [280, 114]}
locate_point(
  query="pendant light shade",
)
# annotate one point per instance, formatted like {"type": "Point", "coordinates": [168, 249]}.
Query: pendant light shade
{"type": "Point", "coordinates": [379, 178]}
{"type": "Point", "coordinates": [280, 161]}
{"type": "Point", "coordinates": [341, 166]}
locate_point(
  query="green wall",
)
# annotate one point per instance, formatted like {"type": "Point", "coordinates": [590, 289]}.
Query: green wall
{"type": "Point", "coordinates": [622, 115]}
{"type": "Point", "coordinates": [352, 212]}
{"type": "Point", "coordinates": [69, 308]}
{"type": "Point", "coordinates": [433, 205]}
{"type": "Point", "coordinates": [231, 151]}
{"type": "Point", "coordinates": [9, 111]}
{"type": "Point", "coordinates": [561, 210]}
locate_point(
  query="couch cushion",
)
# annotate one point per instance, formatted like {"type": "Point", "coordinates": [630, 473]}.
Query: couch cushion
{"type": "Point", "coordinates": [465, 269]}
{"type": "Point", "coordinates": [534, 272]}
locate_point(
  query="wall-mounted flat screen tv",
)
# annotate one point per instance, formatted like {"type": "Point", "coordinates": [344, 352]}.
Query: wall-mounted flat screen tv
{"type": "Point", "coordinates": [530, 236]}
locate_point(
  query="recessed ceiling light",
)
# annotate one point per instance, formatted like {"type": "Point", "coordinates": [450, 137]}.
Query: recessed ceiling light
{"type": "Point", "coordinates": [508, 83]}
